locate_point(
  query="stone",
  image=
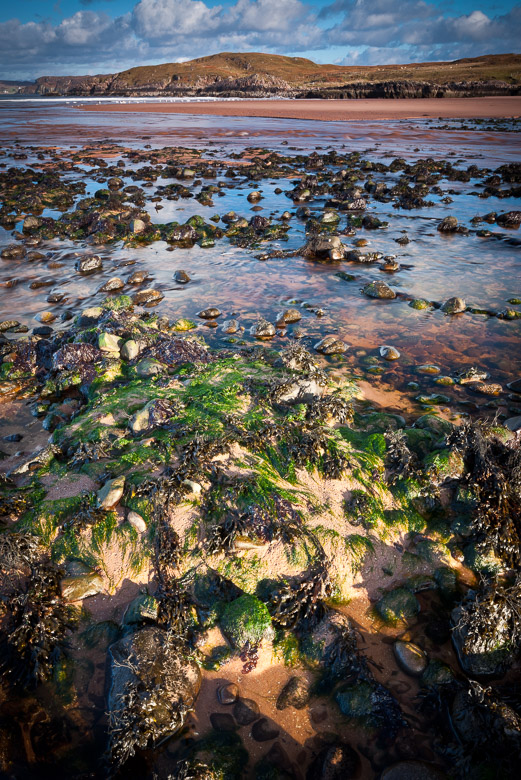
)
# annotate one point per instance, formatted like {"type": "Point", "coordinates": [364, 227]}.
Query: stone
{"type": "Point", "coordinates": [355, 700]}
{"type": "Point", "coordinates": [330, 345]}
{"type": "Point", "coordinates": [222, 721]}
{"type": "Point", "coordinates": [230, 326]}
{"type": "Point", "coordinates": [246, 619]}
{"type": "Point", "coordinates": [448, 225]}
{"type": "Point", "coordinates": [320, 246]}
{"type": "Point", "coordinates": [209, 314]}
{"type": "Point", "coordinates": [113, 284]}
{"type": "Point", "coordinates": [389, 353]}
{"type": "Point", "coordinates": [140, 610]}
{"type": "Point", "coordinates": [137, 226]}
{"type": "Point", "coordinates": [31, 223]}
{"type": "Point", "coordinates": [379, 290]}
{"type": "Point", "coordinates": [162, 679]}
{"type": "Point", "coordinates": [13, 252]}
{"type": "Point", "coordinates": [513, 423]}
{"type": "Point", "coordinates": [412, 770]}
{"type": "Point", "coordinates": [288, 316]}
{"type": "Point", "coordinates": [109, 342]}
{"type": "Point", "coordinates": [137, 522]}
{"type": "Point", "coordinates": [411, 658]}
{"type": "Point", "coordinates": [294, 694]}
{"type": "Point", "coordinates": [302, 391]}
{"type": "Point", "coordinates": [78, 588]}
{"type": "Point", "coordinates": [90, 264]}
{"type": "Point", "coordinates": [147, 296]}
{"type": "Point", "coordinates": [130, 350]}
{"type": "Point", "coordinates": [264, 730]}
{"type": "Point", "coordinates": [111, 493]}
{"type": "Point", "coordinates": [140, 420]}
{"type": "Point", "coordinates": [335, 762]}
{"type": "Point", "coordinates": [246, 711]}
{"type": "Point", "coordinates": [149, 367]}
{"type": "Point", "coordinates": [437, 673]}
{"type": "Point", "coordinates": [46, 317]}
{"type": "Point", "coordinates": [194, 487]}
{"type": "Point", "coordinates": [181, 277]}
{"type": "Point", "coordinates": [454, 306]}
{"type": "Point", "coordinates": [90, 316]}
{"type": "Point", "coordinates": [263, 330]}
{"type": "Point", "coordinates": [228, 694]}
{"type": "Point", "coordinates": [8, 325]}
{"type": "Point", "coordinates": [398, 604]}
{"type": "Point", "coordinates": [138, 277]}
{"type": "Point", "coordinates": [487, 388]}
{"type": "Point", "coordinates": [254, 196]}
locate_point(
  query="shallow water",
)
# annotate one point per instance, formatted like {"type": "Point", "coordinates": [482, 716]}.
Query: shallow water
{"type": "Point", "coordinates": [486, 272]}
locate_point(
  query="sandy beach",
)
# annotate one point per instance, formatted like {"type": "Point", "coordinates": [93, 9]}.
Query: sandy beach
{"type": "Point", "coordinates": [333, 110]}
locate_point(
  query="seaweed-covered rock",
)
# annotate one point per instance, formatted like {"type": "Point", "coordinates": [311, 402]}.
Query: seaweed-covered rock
{"type": "Point", "coordinates": [152, 685]}
{"type": "Point", "coordinates": [246, 620]}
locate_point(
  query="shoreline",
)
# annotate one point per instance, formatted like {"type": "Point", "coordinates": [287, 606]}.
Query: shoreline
{"type": "Point", "coordinates": [376, 109]}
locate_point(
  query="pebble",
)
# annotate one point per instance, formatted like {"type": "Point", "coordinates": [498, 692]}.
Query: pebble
{"type": "Point", "coordinates": [181, 277]}
{"type": "Point", "coordinates": [288, 316]}
{"type": "Point", "coordinates": [147, 296]}
{"type": "Point", "coordinates": [108, 342]}
{"type": "Point", "coordinates": [389, 353]}
{"type": "Point", "coordinates": [138, 277]}
{"type": "Point", "coordinates": [246, 711]}
{"type": "Point", "coordinates": [89, 265]}
{"type": "Point", "coordinates": [209, 314]}
{"type": "Point", "coordinates": [111, 493]}
{"type": "Point", "coordinates": [130, 350]}
{"type": "Point", "coordinates": [263, 330]}
{"type": "Point", "coordinates": [137, 522]}
{"type": "Point", "coordinates": [230, 326]}
{"type": "Point", "coordinates": [228, 694]}
{"type": "Point", "coordinates": [264, 730]}
{"type": "Point", "coordinates": [411, 658]}
{"type": "Point", "coordinates": [46, 317]}
{"type": "Point", "coordinates": [113, 284]}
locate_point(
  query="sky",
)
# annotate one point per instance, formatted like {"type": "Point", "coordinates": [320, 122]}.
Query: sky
{"type": "Point", "coordinates": [75, 37]}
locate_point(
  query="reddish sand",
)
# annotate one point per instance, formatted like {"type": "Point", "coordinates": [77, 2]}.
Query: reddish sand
{"type": "Point", "coordinates": [333, 110]}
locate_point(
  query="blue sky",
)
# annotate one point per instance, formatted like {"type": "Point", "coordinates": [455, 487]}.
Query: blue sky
{"type": "Point", "coordinates": [105, 36]}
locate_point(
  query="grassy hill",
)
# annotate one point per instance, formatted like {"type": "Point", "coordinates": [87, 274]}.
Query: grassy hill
{"type": "Point", "coordinates": [271, 73]}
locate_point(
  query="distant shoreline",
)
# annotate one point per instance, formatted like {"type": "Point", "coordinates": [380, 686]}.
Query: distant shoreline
{"type": "Point", "coordinates": [335, 110]}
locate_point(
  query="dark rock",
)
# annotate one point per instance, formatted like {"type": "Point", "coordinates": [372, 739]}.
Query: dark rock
{"type": "Point", "coordinates": [228, 694]}
{"type": "Point", "coordinates": [147, 296]}
{"type": "Point", "coordinates": [334, 762]}
{"type": "Point", "coordinates": [379, 290]}
{"type": "Point", "coordinates": [412, 770]}
{"type": "Point", "coordinates": [181, 277]}
{"type": "Point", "coordinates": [152, 683]}
{"type": "Point", "coordinates": [209, 314]}
{"type": "Point", "coordinates": [246, 711]}
{"type": "Point", "coordinates": [294, 694]}
{"type": "Point", "coordinates": [222, 721]}
{"type": "Point", "coordinates": [264, 730]}
{"type": "Point", "coordinates": [411, 658]}
{"type": "Point", "coordinates": [448, 225]}
{"type": "Point", "coordinates": [511, 219]}
{"type": "Point", "coordinates": [70, 356]}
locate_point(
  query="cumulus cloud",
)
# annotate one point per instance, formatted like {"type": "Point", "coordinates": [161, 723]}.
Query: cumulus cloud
{"type": "Point", "coordinates": [365, 31]}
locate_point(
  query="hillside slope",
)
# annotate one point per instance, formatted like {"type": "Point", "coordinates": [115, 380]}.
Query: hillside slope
{"type": "Point", "coordinates": [262, 74]}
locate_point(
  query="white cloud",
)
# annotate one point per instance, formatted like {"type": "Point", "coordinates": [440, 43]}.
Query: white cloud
{"type": "Point", "coordinates": [366, 31]}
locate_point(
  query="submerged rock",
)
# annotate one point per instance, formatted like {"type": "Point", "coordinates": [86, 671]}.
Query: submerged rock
{"type": "Point", "coordinates": [331, 345]}
{"type": "Point", "coordinates": [411, 658]}
{"type": "Point", "coordinates": [379, 290]}
{"type": "Point", "coordinates": [454, 306]}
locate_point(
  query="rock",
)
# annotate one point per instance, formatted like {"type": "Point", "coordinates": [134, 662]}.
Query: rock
{"type": "Point", "coordinates": [162, 680]}
{"type": "Point", "coordinates": [294, 694]}
{"type": "Point", "coordinates": [389, 353]}
{"type": "Point", "coordinates": [246, 619]}
{"type": "Point", "coordinates": [330, 345]}
{"type": "Point", "coordinates": [437, 673]}
{"type": "Point", "coordinates": [448, 225]}
{"type": "Point", "coordinates": [111, 493]}
{"type": "Point", "coordinates": [288, 316]}
{"type": "Point", "coordinates": [513, 423]}
{"type": "Point", "coordinates": [137, 522]}
{"type": "Point", "coordinates": [8, 325]}
{"type": "Point", "coordinates": [108, 342]}
{"type": "Point", "coordinates": [183, 324]}
{"type": "Point", "coordinates": [254, 196]}
{"type": "Point", "coordinates": [130, 350]}
{"type": "Point", "coordinates": [454, 306]}
{"type": "Point", "coordinates": [302, 391]}
{"type": "Point", "coordinates": [140, 610]}
{"type": "Point", "coordinates": [140, 420]}
{"type": "Point", "coordinates": [43, 330]}
{"type": "Point", "coordinates": [511, 219]}
{"type": "Point", "coordinates": [147, 296]}
{"type": "Point", "coordinates": [320, 246]}
{"type": "Point", "coordinates": [194, 487]}
{"type": "Point", "coordinates": [187, 173]}
{"type": "Point", "coordinates": [31, 223]}
{"type": "Point", "coordinates": [137, 226]}
{"type": "Point", "coordinates": [227, 694]}
{"type": "Point", "coordinates": [487, 388]}
{"type": "Point", "coordinates": [112, 284]}
{"type": "Point", "coordinates": [181, 277]}
{"type": "Point", "coordinates": [89, 265]}
{"type": "Point", "coordinates": [246, 711]}
{"type": "Point", "coordinates": [138, 277]}
{"type": "Point", "coordinates": [263, 330]}
{"type": "Point", "coordinates": [46, 317]}
{"type": "Point", "coordinates": [482, 655]}
{"type": "Point", "coordinates": [411, 659]}
{"type": "Point", "coordinates": [264, 730]}
{"type": "Point", "coordinates": [334, 762]}
{"type": "Point", "coordinates": [78, 588]}
{"type": "Point", "coordinates": [13, 252]}
{"type": "Point", "coordinates": [419, 304]}
{"type": "Point", "coordinates": [230, 326]}
{"type": "Point", "coordinates": [209, 314]}
{"type": "Point", "coordinates": [222, 721]}
{"type": "Point", "coordinates": [149, 367]}
{"type": "Point", "coordinates": [355, 700]}
{"type": "Point", "coordinates": [398, 604]}
{"type": "Point", "coordinates": [379, 290]}
{"type": "Point", "coordinates": [412, 770]}
{"type": "Point", "coordinates": [90, 316]}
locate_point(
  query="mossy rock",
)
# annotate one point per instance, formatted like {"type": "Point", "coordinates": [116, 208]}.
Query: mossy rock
{"type": "Point", "coordinates": [246, 620]}
{"type": "Point", "coordinates": [444, 464]}
{"type": "Point", "coordinates": [396, 605]}
{"type": "Point", "coordinates": [437, 673]}
{"type": "Point", "coordinates": [437, 425]}
{"type": "Point", "coordinates": [447, 582]}
{"type": "Point", "coordinates": [483, 560]}
{"type": "Point", "coordinates": [355, 701]}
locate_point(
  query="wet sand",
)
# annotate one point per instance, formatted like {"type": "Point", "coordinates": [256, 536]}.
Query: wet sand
{"type": "Point", "coordinates": [334, 110]}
